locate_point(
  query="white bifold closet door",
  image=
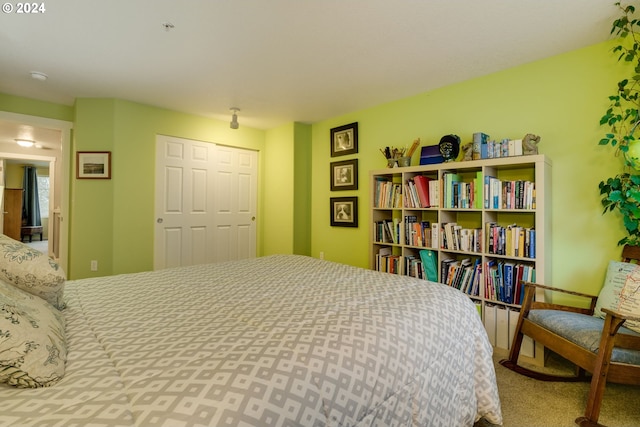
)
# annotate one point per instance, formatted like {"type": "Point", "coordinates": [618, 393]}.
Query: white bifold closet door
{"type": "Point", "coordinates": [206, 198]}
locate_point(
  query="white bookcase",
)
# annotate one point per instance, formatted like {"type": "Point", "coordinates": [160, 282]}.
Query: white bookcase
{"type": "Point", "coordinates": [519, 204]}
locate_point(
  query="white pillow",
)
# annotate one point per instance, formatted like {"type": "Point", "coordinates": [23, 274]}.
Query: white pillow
{"type": "Point", "coordinates": [621, 292]}
{"type": "Point", "coordinates": [31, 271]}
{"type": "Point", "coordinates": [33, 348]}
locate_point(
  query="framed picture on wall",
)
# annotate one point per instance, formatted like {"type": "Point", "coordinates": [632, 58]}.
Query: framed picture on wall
{"type": "Point", "coordinates": [344, 211]}
{"type": "Point", "coordinates": [93, 165]}
{"type": "Point", "coordinates": [344, 175]}
{"type": "Point", "coordinates": [344, 140]}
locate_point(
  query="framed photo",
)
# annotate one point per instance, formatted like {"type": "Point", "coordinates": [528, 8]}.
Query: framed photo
{"type": "Point", "coordinates": [93, 165]}
{"type": "Point", "coordinates": [344, 140]}
{"type": "Point", "coordinates": [344, 211]}
{"type": "Point", "coordinates": [344, 175]}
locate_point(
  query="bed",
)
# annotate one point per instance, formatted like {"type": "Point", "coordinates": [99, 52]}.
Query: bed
{"type": "Point", "coordinates": [281, 340]}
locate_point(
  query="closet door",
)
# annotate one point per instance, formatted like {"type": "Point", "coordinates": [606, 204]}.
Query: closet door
{"type": "Point", "coordinates": [205, 203]}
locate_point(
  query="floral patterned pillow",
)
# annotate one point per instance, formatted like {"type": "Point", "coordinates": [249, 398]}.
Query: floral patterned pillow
{"type": "Point", "coordinates": [31, 271]}
{"type": "Point", "coordinates": [621, 292]}
{"type": "Point", "coordinates": [33, 349]}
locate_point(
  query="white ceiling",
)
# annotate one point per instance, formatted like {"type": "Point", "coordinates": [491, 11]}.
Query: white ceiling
{"type": "Point", "coordinates": [281, 61]}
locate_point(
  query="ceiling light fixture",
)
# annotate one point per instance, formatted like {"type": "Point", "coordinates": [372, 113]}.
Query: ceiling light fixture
{"type": "Point", "coordinates": [25, 142]}
{"type": "Point", "coordinates": [37, 75]}
{"type": "Point", "coordinates": [234, 118]}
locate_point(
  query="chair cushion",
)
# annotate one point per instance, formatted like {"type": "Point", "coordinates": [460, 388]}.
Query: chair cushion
{"type": "Point", "coordinates": [583, 330]}
{"type": "Point", "coordinates": [620, 292]}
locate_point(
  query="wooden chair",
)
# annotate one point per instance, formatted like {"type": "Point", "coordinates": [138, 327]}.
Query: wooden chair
{"type": "Point", "coordinates": [599, 362]}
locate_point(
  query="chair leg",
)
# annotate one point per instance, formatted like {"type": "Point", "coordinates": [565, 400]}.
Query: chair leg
{"type": "Point", "coordinates": [600, 372]}
{"type": "Point", "coordinates": [584, 422]}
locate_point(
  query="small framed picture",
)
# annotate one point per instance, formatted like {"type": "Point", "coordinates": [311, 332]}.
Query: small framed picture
{"type": "Point", "coordinates": [344, 175]}
{"type": "Point", "coordinates": [344, 211]}
{"type": "Point", "coordinates": [344, 140]}
{"type": "Point", "coordinates": [93, 165]}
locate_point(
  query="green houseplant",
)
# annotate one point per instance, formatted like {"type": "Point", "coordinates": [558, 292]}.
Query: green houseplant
{"type": "Point", "coordinates": [622, 192]}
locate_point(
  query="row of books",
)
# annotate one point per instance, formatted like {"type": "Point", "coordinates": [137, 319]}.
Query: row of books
{"type": "Point", "coordinates": [417, 233]}
{"type": "Point", "coordinates": [423, 266]}
{"type": "Point", "coordinates": [503, 280]}
{"type": "Point", "coordinates": [387, 194]}
{"type": "Point", "coordinates": [462, 274]}
{"type": "Point", "coordinates": [459, 194]}
{"type": "Point", "coordinates": [387, 262]}
{"type": "Point", "coordinates": [456, 238]}
{"type": "Point", "coordinates": [421, 192]}
{"type": "Point", "coordinates": [512, 240]}
{"type": "Point", "coordinates": [386, 231]}
{"type": "Point", "coordinates": [485, 148]}
{"type": "Point", "coordinates": [424, 192]}
{"type": "Point", "coordinates": [518, 194]}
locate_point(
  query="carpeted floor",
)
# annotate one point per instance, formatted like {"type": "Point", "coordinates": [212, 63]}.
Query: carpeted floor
{"type": "Point", "coordinates": [42, 246]}
{"type": "Point", "coordinates": [531, 403]}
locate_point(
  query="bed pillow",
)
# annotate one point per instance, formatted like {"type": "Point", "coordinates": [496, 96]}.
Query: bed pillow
{"type": "Point", "coordinates": [31, 271]}
{"type": "Point", "coordinates": [32, 342]}
{"type": "Point", "coordinates": [620, 292]}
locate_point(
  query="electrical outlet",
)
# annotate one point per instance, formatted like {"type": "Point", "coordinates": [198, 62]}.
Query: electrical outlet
{"type": "Point", "coordinates": [94, 265]}
{"type": "Point", "coordinates": [321, 255]}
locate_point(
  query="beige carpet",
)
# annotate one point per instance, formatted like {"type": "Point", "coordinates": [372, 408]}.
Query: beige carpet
{"type": "Point", "coordinates": [530, 403]}
{"type": "Point", "coordinates": [42, 246]}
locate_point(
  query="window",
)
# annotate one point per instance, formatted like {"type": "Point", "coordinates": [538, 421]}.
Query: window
{"type": "Point", "coordinates": [43, 195]}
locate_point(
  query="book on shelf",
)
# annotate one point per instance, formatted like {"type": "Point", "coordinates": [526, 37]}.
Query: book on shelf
{"type": "Point", "coordinates": [434, 193]}
{"type": "Point", "coordinates": [479, 138]}
{"type": "Point", "coordinates": [502, 327]}
{"type": "Point", "coordinates": [511, 240]}
{"type": "Point", "coordinates": [436, 239]}
{"type": "Point", "coordinates": [417, 233]}
{"type": "Point", "coordinates": [448, 178]}
{"type": "Point", "coordinates": [429, 260]}
{"type": "Point", "coordinates": [503, 280]}
{"type": "Point", "coordinates": [388, 194]}
{"type": "Point", "coordinates": [422, 188]}
{"type": "Point", "coordinates": [490, 322]}
{"type": "Point", "coordinates": [414, 267]}
{"type": "Point", "coordinates": [387, 262]}
{"type": "Point", "coordinates": [528, 347]}
{"type": "Point", "coordinates": [387, 231]}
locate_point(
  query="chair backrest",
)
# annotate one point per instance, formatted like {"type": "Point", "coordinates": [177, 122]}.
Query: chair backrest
{"type": "Point", "coordinates": [631, 254]}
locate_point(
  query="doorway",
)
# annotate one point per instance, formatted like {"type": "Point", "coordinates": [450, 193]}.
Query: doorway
{"type": "Point", "coordinates": [52, 148]}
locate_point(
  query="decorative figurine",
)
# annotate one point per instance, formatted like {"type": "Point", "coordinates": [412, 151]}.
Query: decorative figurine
{"type": "Point", "coordinates": [530, 144]}
{"type": "Point", "coordinates": [449, 147]}
{"type": "Point", "coordinates": [467, 151]}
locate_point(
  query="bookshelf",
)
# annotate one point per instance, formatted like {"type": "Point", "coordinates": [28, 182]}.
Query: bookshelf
{"type": "Point", "coordinates": [480, 226]}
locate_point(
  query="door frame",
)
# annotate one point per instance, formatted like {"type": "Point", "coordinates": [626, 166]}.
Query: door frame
{"type": "Point", "coordinates": [61, 206]}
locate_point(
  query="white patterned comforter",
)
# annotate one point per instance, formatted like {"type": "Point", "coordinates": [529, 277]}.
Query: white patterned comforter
{"type": "Point", "coordinates": [274, 341]}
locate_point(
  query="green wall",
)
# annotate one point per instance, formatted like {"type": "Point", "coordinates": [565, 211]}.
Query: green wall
{"type": "Point", "coordinates": [34, 107]}
{"type": "Point", "coordinates": [288, 218]}
{"type": "Point", "coordinates": [560, 98]}
{"type": "Point", "coordinates": [113, 220]}
{"type": "Point", "coordinates": [278, 236]}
